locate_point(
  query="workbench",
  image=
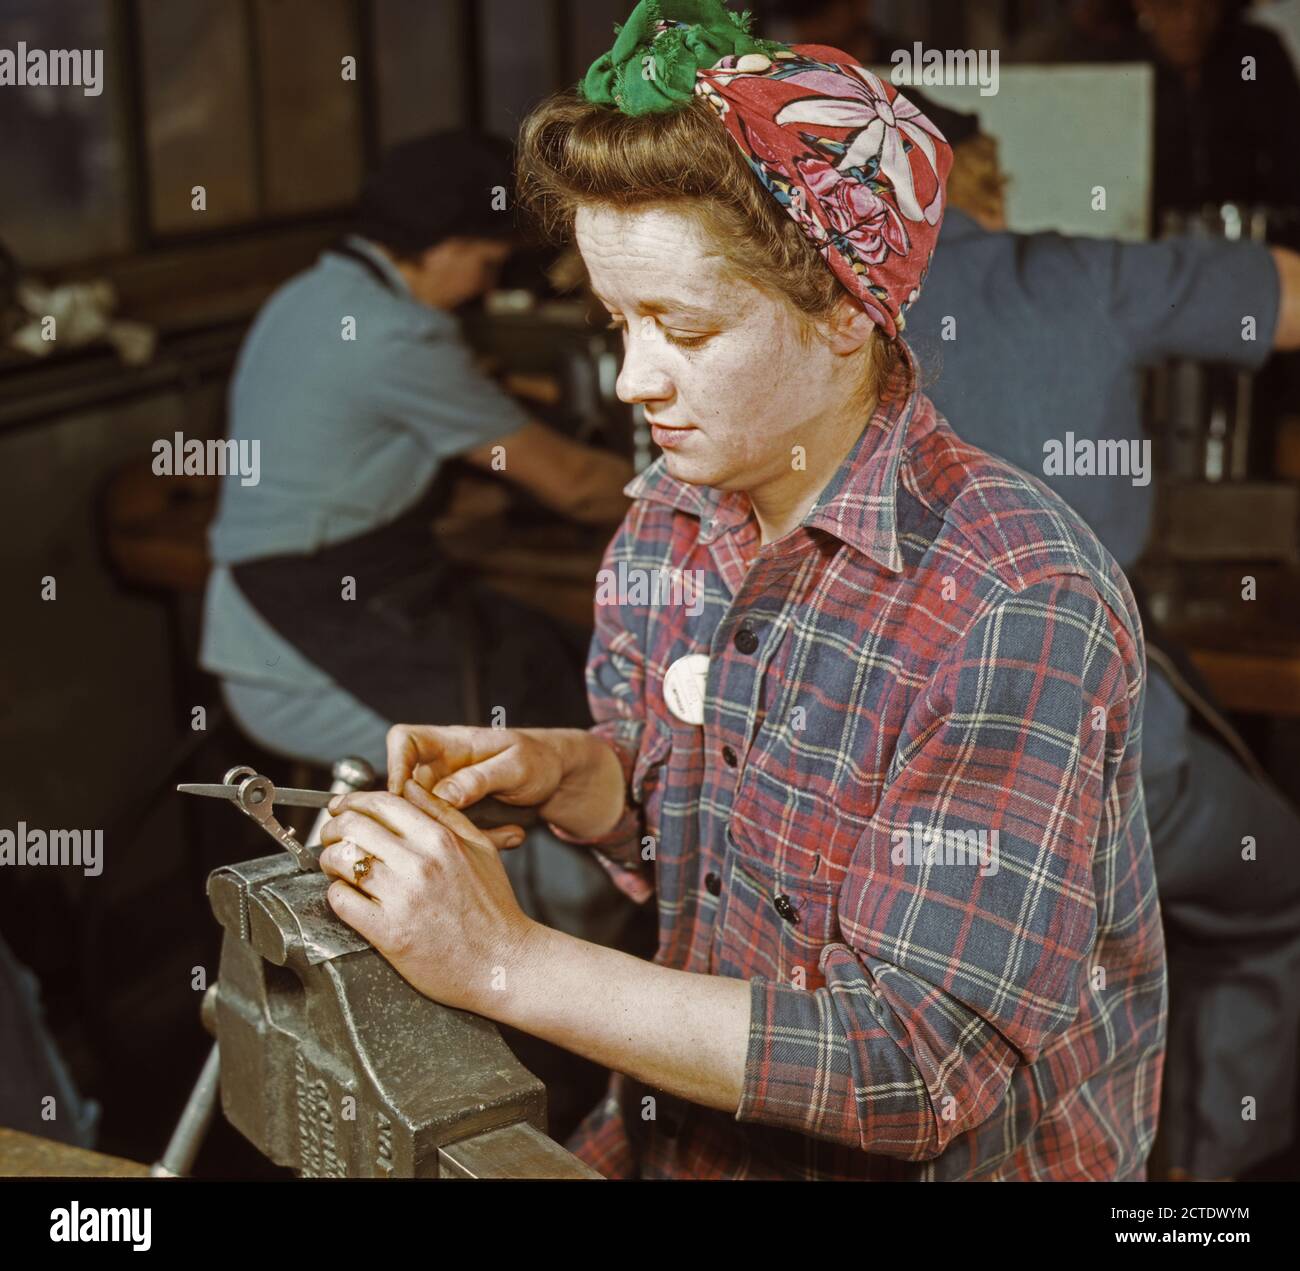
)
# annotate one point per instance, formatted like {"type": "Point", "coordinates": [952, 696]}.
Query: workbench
{"type": "Point", "coordinates": [29, 1156]}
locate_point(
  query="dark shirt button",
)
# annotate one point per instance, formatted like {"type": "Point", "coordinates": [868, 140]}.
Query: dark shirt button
{"type": "Point", "coordinates": [729, 756]}
{"type": "Point", "coordinates": [781, 902]}
{"type": "Point", "coordinates": [746, 641]}
{"type": "Point", "coordinates": [713, 884]}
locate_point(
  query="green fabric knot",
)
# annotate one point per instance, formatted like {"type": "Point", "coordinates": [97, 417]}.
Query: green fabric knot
{"type": "Point", "coordinates": [651, 69]}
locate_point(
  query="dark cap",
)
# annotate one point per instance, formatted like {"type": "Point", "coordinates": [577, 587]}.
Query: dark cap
{"type": "Point", "coordinates": [444, 185]}
{"type": "Point", "coordinates": [956, 125]}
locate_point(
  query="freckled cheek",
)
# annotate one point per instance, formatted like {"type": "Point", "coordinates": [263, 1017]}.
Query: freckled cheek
{"type": "Point", "coordinates": [732, 390]}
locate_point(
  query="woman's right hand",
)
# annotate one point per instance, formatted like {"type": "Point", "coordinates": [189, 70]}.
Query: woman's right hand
{"type": "Point", "coordinates": [573, 779]}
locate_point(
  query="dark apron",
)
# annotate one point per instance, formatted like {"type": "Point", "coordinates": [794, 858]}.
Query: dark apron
{"type": "Point", "coordinates": [423, 641]}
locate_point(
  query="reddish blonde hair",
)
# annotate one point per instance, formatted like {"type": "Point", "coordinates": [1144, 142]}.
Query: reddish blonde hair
{"type": "Point", "coordinates": [573, 153]}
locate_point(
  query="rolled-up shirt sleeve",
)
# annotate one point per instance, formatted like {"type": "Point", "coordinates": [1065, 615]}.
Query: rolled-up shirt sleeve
{"type": "Point", "coordinates": [428, 383]}
{"type": "Point", "coordinates": [950, 975]}
{"type": "Point", "coordinates": [1180, 297]}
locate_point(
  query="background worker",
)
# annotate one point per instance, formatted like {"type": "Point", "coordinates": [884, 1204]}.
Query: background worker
{"type": "Point", "coordinates": [1056, 329]}
{"type": "Point", "coordinates": [354, 434]}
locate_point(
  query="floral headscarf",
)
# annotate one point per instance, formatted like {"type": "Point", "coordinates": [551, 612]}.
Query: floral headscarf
{"type": "Point", "coordinates": [859, 168]}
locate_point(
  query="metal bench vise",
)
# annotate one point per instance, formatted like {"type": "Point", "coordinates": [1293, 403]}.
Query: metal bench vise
{"type": "Point", "coordinates": [333, 1065]}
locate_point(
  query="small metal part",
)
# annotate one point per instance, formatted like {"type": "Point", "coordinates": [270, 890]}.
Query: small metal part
{"type": "Point", "coordinates": [349, 774]}
{"type": "Point", "coordinates": [353, 773]}
{"type": "Point", "coordinates": [257, 799]}
{"type": "Point", "coordinates": [285, 797]}
{"type": "Point", "coordinates": [256, 796]}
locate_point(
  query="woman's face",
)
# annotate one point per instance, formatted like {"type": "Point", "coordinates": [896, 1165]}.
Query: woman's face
{"type": "Point", "coordinates": [726, 384]}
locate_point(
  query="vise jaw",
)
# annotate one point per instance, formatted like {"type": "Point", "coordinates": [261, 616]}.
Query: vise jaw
{"type": "Point", "coordinates": [333, 1065]}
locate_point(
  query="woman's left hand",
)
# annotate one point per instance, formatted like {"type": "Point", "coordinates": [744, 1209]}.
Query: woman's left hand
{"type": "Point", "coordinates": [437, 905]}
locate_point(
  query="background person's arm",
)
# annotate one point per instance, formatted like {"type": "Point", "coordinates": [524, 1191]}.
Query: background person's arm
{"type": "Point", "coordinates": [1209, 300]}
{"type": "Point", "coordinates": [1286, 337]}
{"type": "Point", "coordinates": [577, 481]}
{"type": "Point", "coordinates": [429, 384]}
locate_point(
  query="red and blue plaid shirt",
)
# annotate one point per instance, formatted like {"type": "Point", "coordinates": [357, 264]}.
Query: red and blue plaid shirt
{"type": "Point", "coordinates": [912, 819]}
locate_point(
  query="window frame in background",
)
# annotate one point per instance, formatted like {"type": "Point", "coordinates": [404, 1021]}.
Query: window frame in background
{"type": "Point", "coordinates": [125, 76]}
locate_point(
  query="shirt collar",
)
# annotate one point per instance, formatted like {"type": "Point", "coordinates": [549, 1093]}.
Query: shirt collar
{"type": "Point", "coordinates": [423, 317]}
{"type": "Point", "coordinates": [385, 266]}
{"type": "Point", "coordinates": [858, 504]}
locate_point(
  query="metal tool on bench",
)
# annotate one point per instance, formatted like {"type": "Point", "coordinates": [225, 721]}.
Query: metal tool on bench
{"type": "Point", "coordinates": [256, 796]}
{"type": "Point", "coordinates": [330, 1063]}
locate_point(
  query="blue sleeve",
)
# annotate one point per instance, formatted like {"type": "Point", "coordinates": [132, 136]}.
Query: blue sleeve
{"type": "Point", "coordinates": [1173, 298]}
{"type": "Point", "coordinates": [428, 383]}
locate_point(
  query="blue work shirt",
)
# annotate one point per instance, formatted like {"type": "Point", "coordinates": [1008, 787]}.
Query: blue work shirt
{"type": "Point", "coordinates": [1057, 329]}
{"type": "Point", "coordinates": [1050, 336]}
{"type": "Point", "coordinates": [351, 431]}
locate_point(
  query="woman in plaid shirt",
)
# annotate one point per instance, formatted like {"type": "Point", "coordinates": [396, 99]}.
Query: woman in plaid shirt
{"type": "Point", "coordinates": [868, 701]}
